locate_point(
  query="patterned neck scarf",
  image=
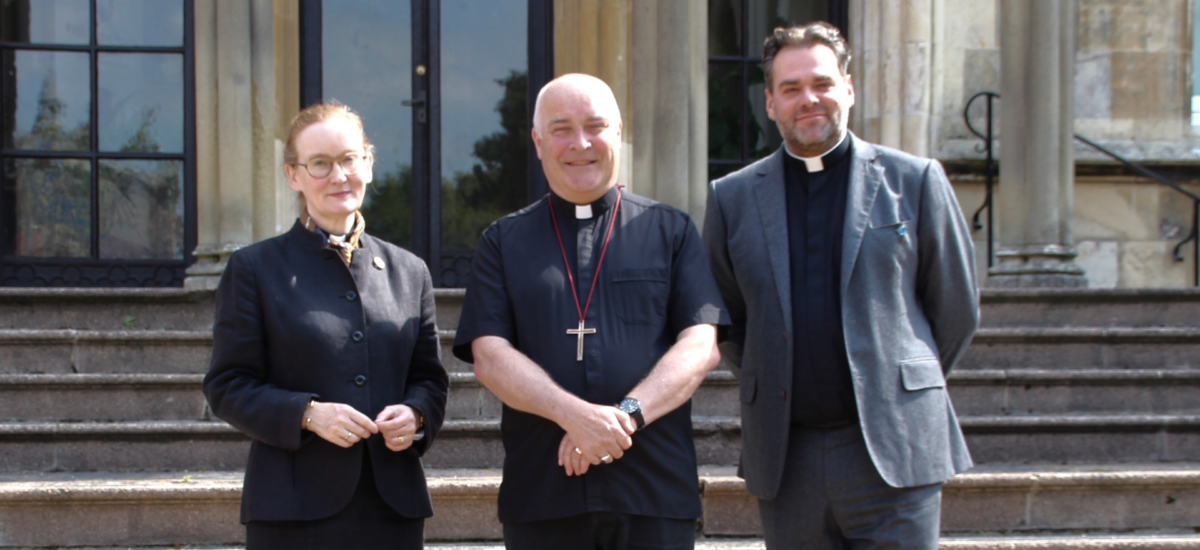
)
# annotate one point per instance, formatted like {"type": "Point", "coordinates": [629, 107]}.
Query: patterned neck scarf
{"type": "Point", "coordinates": [344, 244]}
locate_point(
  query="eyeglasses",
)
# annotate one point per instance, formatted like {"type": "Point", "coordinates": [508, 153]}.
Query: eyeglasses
{"type": "Point", "coordinates": [321, 167]}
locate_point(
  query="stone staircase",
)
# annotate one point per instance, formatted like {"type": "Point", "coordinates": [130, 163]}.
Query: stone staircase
{"type": "Point", "coordinates": [1080, 407]}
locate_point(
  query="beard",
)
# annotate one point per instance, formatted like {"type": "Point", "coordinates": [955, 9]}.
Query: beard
{"type": "Point", "coordinates": [809, 141]}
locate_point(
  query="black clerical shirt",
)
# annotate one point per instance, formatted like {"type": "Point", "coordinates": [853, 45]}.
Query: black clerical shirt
{"type": "Point", "coordinates": [823, 394]}
{"type": "Point", "coordinates": [654, 283]}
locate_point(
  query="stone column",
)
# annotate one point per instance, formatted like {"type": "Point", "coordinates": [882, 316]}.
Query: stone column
{"type": "Point", "coordinates": [594, 37]}
{"type": "Point", "coordinates": [670, 76]}
{"type": "Point", "coordinates": [653, 53]}
{"type": "Point", "coordinates": [892, 44]}
{"type": "Point", "coordinates": [246, 58]}
{"type": "Point", "coordinates": [1037, 50]}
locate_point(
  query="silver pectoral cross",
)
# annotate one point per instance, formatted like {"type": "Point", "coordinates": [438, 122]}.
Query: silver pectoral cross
{"type": "Point", "coordinates": [580, 333]}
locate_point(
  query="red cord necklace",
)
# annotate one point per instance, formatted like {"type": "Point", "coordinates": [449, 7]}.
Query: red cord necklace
{"type": "Point", "coordinates": [581, 331]}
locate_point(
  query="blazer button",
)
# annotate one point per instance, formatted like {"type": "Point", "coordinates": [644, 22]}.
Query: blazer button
{"type": "Point", "coordinates": [357, 336]}
{"type": "Point", "coordinates": [360, 380]}
{"type": "Point", "coordinates": [351, 296]}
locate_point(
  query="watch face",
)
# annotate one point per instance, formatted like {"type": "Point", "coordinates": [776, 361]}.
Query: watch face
{"type": "Point", "coordinates": [630, 406]}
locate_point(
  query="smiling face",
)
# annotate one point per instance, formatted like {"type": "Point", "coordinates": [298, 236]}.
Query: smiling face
{"type": "Point", "coordinates": [809, 99]}
{"type": "Point", "coordinates": [577, 133]}
{"type": "Point", "coordinates": [333, 199]}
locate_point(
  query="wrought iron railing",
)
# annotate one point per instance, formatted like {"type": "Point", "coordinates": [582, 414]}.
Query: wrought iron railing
{"type": "Point", "coordinates": [990, 169]}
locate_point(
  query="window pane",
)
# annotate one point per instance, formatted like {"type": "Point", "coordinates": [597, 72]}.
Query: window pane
{"type": "Point", "coordinates": [765, 15]}
{"type": "Point", "coordinates": [725, 29]}
{"type": "Point", "coordinates": [485, 136]}
{"type": "Point", "coordinates": [45, 21]}
{"type": "Point", "coordinates": [141, 102]}
{"type": "Point", "coordinates": [52, 105]}
{"type": "Point", "coordinates": [141, 209]}
{"type": "Point", "coordinates": [725, 110]}
{"type": "Point", "coordinates": [139, 22]}
{"type": "Point", "coordinates": [717, 171]}
{"type": "Point", "coordinates": [367, 64]}
{"type": "Point", "coordinates": [763, 133]}
{"type": "Point", "coordinates": [49, 204]}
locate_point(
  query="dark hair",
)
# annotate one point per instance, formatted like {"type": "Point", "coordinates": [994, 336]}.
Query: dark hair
{"type": "Point", "coordinates": [817, 33]}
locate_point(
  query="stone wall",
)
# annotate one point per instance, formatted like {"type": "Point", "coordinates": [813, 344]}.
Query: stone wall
{"type": "Point", "coordinates": [1133, 71]}
{"type": "Point", "coordinates": [1126, 230]}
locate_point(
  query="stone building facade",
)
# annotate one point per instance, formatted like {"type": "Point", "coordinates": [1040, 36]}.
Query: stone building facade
{"type": "Point", "coordinates": [686, 77]}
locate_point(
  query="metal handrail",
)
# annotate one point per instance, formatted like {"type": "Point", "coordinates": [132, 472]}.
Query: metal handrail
{"type": "Point", "coordinates": [1177, 254]}
{"type": "Point", "coordinates": [988, 137]}
{"type": "Point", "coordinates": [989, 169]}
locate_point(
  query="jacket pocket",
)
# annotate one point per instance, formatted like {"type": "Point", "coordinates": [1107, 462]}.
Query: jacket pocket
{"type": "Point", "coordinates": [922, 373]}
{"type": "Point", "coordinates": [645, 295]}
{"type": "Point", "coordinates": [748, 388]}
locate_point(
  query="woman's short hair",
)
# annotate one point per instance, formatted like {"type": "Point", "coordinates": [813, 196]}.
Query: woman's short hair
{"type": "Point", "coordinates": [320, 112]}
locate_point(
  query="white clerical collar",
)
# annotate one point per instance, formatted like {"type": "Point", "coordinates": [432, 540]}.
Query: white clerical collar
{"type": "Point", "coordinates": [817, 163]}
{"type": "Point", "coordinates": [583, 212]}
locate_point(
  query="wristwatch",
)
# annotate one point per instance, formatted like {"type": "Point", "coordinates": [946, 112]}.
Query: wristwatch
{"type": "Point", "coordinates": [633, 408]}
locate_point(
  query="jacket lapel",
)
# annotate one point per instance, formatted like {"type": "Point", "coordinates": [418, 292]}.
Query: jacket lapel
{"type": "Point", "coordinates": [772, 209]}
{"type": "Point", "coordinates": [865, 179]}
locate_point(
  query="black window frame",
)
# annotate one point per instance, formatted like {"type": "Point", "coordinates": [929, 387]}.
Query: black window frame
{"type": "Point", "coordinates": [95, 271]}
{"type": "Point", "coordinates": [427, 148]}
{"type": "Point", "coordinates": [749, 57]}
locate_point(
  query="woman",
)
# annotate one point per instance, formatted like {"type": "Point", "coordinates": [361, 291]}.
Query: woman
{"type": "Point", "coordinates": [325, 352]}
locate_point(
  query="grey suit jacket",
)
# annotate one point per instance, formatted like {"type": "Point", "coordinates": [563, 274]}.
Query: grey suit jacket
{"type": "Point", "coordinates": [910, 305]}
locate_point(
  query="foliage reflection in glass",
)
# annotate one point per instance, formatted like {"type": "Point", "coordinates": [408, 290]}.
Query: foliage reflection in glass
{"type": "Point", "coordinates": [45, 21]}
{"type": "Point", "coordinates": [141, 102]}
{"type": "Point", "coordinates": [141, 209]}
{"type": "Point", "coordinates": [48, 207]}
{"type": "Point", "coordinates": [49, 107]}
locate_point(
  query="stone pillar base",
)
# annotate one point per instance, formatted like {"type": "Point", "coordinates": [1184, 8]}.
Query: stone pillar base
{"type": "Point", "coordinates": [205, 274]}
{"type": "Point", "coordinates": [1043, 266]}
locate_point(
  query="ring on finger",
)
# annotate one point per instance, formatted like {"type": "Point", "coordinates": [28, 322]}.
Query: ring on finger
{"type": "Point", "coordinates": [606, 459]}
{"type": "Point", "coordinates": [577, 451]}
{"type": "Point", "coordinates": [348, 436]}
{"type": "Point", "coordinates": [400, 439]}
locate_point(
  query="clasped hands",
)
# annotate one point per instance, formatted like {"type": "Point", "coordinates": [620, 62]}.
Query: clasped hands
{"type": "Point", "coordinates": [599, 435]}
{"type": "Point", "coordinates": [344, 426]}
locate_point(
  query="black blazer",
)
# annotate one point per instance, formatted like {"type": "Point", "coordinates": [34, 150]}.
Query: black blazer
{"type": "Point", "coordinates": [293, 323]}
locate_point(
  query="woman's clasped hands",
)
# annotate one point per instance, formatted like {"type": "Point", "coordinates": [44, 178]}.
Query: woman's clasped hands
{"type": "Point", "coordinates": [344, 426]}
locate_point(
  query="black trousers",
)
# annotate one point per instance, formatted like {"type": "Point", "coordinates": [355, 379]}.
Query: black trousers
{"type": "Point", "coordinates": [602, 531]}
{"type": "Point", "coordinates": [832, 498]}
{"type": "Point", "coordinates": [367, 523]}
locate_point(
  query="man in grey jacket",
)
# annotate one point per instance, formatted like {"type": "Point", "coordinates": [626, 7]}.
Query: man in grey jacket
{"type": "Point", "coordinates": [848, 271]}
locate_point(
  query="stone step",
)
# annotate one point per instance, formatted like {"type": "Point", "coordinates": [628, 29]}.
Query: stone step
{"type": "Point", "coordinates": [140, 308]}
{"type": "Point", "coordinates": [1052, 542]}
{"type": "Point", "coordinates": [1130, 307]}
{"type": "Point", "coordinates": [1066, 505]}
{"type": "Point", "coordinates": [1083, 348]}
{"type": "Point", "coordinates": [1093, 391]}
{"type": "Point", "coordinates": [214, 445]}
{"type": "Point", "coordinates": [179, 309]}
{"type": "Point", "coordinates": [134, 396]}
{"type": "Point", "coordinates": [102, 351]}
{"type": "Point", "coordinates": [101, 397]}
{"type": "Point", "coordinates": [31, 351]}
{"type": "Point", "coordinates": [106, 309]}
{"type": "Point", "coordinates": [40, 351]}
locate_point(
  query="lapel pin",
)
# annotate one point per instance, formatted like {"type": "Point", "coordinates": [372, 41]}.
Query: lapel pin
{"type": "Point", "coordinates": [903, 232]}
{"type": "Point", "coordinates": [379, 263]}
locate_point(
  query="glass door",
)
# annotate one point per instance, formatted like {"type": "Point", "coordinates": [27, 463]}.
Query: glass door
{"type": "Point", "coordinates": [442, 87]}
